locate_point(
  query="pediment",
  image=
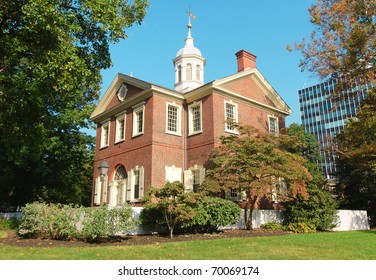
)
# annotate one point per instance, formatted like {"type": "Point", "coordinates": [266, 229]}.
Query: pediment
{"type": "Point", "coordinates": [252, 85]}
{"type": "Point", "coordinates": [122, 90]}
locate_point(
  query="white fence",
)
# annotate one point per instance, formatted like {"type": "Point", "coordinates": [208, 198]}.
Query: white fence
{"type": "Point", "coordinates": [352, 220]}
{"type": "Point", "coordinates": [347, 219]}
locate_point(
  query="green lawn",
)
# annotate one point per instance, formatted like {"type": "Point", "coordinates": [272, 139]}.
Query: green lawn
{"type": "Point", "coordinates": [356, 245]}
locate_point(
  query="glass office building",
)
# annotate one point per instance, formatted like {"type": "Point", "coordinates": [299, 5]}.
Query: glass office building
{"type": "Point", "coordinates": [325, 118]}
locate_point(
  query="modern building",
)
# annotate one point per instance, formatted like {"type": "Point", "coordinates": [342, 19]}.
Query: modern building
{"type": "Point", "coordinates": [149, 134]}
{"type": "Point", "coordinates": [325, 118]}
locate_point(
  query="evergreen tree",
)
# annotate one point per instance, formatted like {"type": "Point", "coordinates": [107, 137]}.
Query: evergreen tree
{"type": "Point", "coordinates": [356, 151]}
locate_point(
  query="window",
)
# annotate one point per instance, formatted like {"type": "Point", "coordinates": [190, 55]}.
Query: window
{"type": "Point", "coordinates": [193, 178]}
{"type": "Point", "coordinates": [189, 72]}
{"type": "Point", "coordinates": [273, 125]}
{"type": "Point", "coordinates": [280, 189]}
{"type": "Point", "coordinates": [179, 73]}
{"type": "Point", "coordinates": [138, 119]}
{"type": "Point", "coordinates": [195, 119]}
{"type": "Point", "coordinates": [198, 74]}
{"type": "Point", "coordinates": [173, 119]}
{"type": "Point", "coordinates": [233, 193]}
{"type": "Point", "coordinates": [231, 117]}
{"type": "Point", "coordinates": [135, 184]}
{"type": "Point", "coordinates": [120, 127]}
{"type": "Point", "coordinates": [196, 179]}
{"type": "Point", "coordinates": [105, 134]}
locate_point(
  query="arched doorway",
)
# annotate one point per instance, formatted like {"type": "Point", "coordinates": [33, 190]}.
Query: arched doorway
{"type": "Point", "coordinates": [118, 186]}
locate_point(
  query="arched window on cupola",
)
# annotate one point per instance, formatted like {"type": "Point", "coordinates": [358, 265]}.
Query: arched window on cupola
{"type": "Point", "coordinates": [189, 72]}
{"type": "Point", "coordinates": [198, 74]}
{"type": "Point", "coordinates": [179, 73]}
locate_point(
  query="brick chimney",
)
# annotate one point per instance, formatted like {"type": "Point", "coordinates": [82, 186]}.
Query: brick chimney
{"type": "Point", "coordinates": [245, 60]}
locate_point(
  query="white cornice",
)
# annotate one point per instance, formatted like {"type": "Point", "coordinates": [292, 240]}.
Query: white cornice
{"type": "Point", "coordinates": [236, 96]}
{"type": "Point", "coordinates": [149, 89]}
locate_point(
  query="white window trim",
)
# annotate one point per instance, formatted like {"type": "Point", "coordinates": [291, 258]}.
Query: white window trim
{"type": "Point", "coordinates": [120, 117]}
{"type": "Point", "coordinates": [104, 124]}
{"type": "Point", "coordinates": [136, 109]}
{"type": "Point", "coordinates": [234, 131]}
{"type": "Point", "coordinates": [276, 123]}
{"type": "Point", "coordinates": [190, 118]}
{"type": "Point", "coordinates": [188, 177]}
{"type": "Point", "coordinates": [131, 182]}
{"type": "Point", "coordinates": [178, 132]}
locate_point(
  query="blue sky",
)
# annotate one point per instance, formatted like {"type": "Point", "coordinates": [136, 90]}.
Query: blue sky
{"type": "Point", "coordinates": [221, 28]}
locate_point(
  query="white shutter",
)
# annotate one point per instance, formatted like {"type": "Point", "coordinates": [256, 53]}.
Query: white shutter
{"type": "Point", "coordinates": [104, 189]}
{"type": "Point", "coordinates": [202, 175]}
{"type": "Point", "coordinates": [173, 173]}
{"type": "Point", "coordinates": [123, 191]}
{"type": "Point", "coordinates": [112, 193]}
{"type": "Point", "coordinates": [188, 180]}
{"type": "Point", "coordinates": [141, 182]}
{"type": "Point", "coordinates": [129, 185]}
{"type": "Point", "coordinates": [97, 191]}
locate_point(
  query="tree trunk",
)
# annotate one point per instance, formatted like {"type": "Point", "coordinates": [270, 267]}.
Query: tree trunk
{"type": "Point", "coordinates": [250, 204]}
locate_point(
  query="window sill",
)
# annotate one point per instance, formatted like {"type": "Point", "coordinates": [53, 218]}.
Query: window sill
{"type": "Point", "coordinates": [119, 141]}
{"type": "Point", "coordinates": [232, 131]}
{"type": "Point", "coordinates": [137, 134]}
{"type": "Point", "coordinates": [173, 133]}
{"type": "Point", "coordinates": [194, 133]}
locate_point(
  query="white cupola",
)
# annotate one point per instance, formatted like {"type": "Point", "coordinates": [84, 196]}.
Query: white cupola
{"type": "Point", "coordinates": [189, 64]}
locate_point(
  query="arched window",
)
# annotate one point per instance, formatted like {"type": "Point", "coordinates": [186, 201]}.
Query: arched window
{"type": "Point", "coordinates": [120, 179]}
{"type": "Point", "coordinates": [179, 73]}
{"type": "Point", "coordinates": [189, 72]}
{"type": "Point", "coordinates": [120, 173]}
{"type": "Point", "coordinates": [198, 70]}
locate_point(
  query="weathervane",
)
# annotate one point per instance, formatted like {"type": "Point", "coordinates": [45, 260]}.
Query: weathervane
{"type": "Point", "coordinates": [190, 15]}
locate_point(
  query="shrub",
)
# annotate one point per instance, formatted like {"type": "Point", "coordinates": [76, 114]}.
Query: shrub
{"type": "Point", "coordinates": [274, 226]}
{"type": "Point", "coordinates": [64, 222]}
{"type": "Point", "coordinates": [101, 222]}
{"type": "Point", "coordinates": [319, 210]}
{"type": "Point", "coordinates": [6, 224]}
{"type": "Point", "coordinates": [187, 212]}
{"type": "Point", "coordinates": [301, 227]}
{"type": "Point", "coordinates": [151, 218]}
{"type": "Point", "coordinates": [54, 221]}
{"type": "Point", "coordinates": [213, 213]}
{"type": "Point", "coordinates": [170, 206]}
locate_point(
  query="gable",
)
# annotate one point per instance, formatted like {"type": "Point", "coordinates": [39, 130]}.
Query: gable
{"type": "Point", "coordinates": [110, 100]}
{"type": "Point", "coordinates": [248, 87]}
{"type": "Point", "coordinates": [136, 92]}
{"type": "Point", "coordinates": [124, 89]}
{"type": "Point", "coordinates": [251, 85]}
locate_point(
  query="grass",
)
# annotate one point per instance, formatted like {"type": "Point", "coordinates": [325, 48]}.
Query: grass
{"type": "Point", "coordinates": [355, 245]}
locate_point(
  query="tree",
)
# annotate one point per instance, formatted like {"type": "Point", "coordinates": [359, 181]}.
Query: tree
{"type": "Point", "coordinates": [319, 209]}
{"type": "Point", "coordinates": [168, 206]}
{"type": "Point", "coordinates": [305, 144]}
{"type": "Point", "coordinates": [342, 46]}
{"type": "Point", "coordinates": [356, 151]}
{"type": "Point", "coordinates": [51, 54]}
{"type": "Point", "coordinates": [253, 163]}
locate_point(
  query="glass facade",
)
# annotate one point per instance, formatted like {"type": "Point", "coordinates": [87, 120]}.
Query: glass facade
{"type": "Point", "coordinates": [325, 118]}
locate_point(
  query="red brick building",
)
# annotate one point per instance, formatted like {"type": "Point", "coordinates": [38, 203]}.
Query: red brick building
{"type": "Point", "coordinates": [149, 134]}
